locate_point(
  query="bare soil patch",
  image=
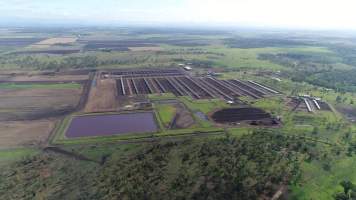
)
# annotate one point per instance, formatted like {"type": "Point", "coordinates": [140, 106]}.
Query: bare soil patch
{"type": "Point", "coordinates": [56, 40]}
{"type": "Point", "coordinates": [297, 105]}
{"type": "Point", "coordinates": [31, 104]}
{"type": "Point", "coordinates": [348, 111]}
{"type": "Point", "coordinates": [102, 96]}
{"type": "Point", "coordinates": [183, 118]}
{"type": "Point", "coordinates": [24, 133]}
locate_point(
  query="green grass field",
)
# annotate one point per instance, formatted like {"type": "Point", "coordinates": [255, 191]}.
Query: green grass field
{"type": "Point", "coordinates": [12, 155]}
{"type": "Point", "coordinates": [318, 183]}
{"type": "Point", "coordinates": [40, 86]}
{"type": "Point", "coordinates": [166, 113]}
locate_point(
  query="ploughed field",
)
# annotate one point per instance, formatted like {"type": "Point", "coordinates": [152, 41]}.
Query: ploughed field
{"type": "Point", "coordinates": [111, 124]}
{"type": "Point", "coordinates": [232, 115]}
{"type": "Point", "coordinates": [48, 51]}
{"type": "Point", "coordinates": [18, 41]}
{"type": "Point", "coordinates": [31, 104]}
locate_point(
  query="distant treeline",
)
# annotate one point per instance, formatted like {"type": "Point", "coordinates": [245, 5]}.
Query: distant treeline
{"type": "Point", "coordinates": [318, 68]}
{"type": "Point", "coordinates": [340, 80]}
{"type": "Point", "coordinates": [246, 43]}
{"type": "Point", "coordinates": [346, 52]}
{"type": "Point", "coordinates": [68, 62]}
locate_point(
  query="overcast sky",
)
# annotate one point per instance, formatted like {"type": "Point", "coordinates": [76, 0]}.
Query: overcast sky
{"type": "Point", "coordinates": [277, 13]}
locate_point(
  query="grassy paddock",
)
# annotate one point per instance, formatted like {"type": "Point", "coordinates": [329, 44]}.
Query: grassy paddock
{"type": "Point", "coordinates": [40, 86]}
{"type": "Point", "coordinates": [166, 113]}
{"type": "Point", "coordinates": [12, 155]}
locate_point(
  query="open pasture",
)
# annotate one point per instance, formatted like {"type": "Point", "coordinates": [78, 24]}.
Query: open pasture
{"type": "Point", "coordinates": [38, 102]}
{"type": "Point", "coordinates": [24, 133]}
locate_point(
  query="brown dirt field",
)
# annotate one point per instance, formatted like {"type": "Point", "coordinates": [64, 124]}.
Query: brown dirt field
{"type": "Point", "coordinates": [52, 41]}
{"type": "Point", "coordinates": [185, 118]}
{"type": "Point", "coordinates": [24, 133]}
{"type": "Point", "coordinates": [36, 103]}
{"type": "Point", "coordinates": [103, 96]}
{"type": "Point", "coordinates": [43, 78]}
{"type": "Point", "coordinates": [292, 103]}
{"type": "Point", "coordinates": [348, 111]}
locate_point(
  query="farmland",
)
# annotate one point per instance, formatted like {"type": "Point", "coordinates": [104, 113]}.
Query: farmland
{"type": "Point", "coordinates": [183, 102]}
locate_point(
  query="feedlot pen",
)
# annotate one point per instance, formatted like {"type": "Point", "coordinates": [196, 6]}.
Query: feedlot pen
{"type": "Point", "coordinates": [180, 83]}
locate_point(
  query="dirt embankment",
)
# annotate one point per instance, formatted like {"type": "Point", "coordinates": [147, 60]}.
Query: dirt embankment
{"type": "Point", "coordinates": [183, 118]}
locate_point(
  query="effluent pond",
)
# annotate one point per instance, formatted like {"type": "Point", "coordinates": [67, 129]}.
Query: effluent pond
{"type": "Point", "coordinates": [111, 124]}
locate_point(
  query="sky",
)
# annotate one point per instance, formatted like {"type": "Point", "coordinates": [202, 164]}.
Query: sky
{"type": "Point", "coordinates": [330, 14]}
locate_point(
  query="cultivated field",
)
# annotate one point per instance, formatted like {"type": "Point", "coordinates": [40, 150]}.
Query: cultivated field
{"type": "Point", "coordinates": [14, 134]}
{"type": "Point", "coordinates": [54, 41]}
{"type": "Point", "coordinates": [37, 103]}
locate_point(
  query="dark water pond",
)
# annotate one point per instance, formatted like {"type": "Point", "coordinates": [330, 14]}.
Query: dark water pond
{"type": "Point", "coordinates": [230, 115]}
{"type": "Point", "coordinates": [104, 125]}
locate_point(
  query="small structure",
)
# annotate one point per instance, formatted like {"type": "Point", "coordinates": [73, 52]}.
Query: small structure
{"type": "Point", "coordinates": [277, 79]}
{"type": "Point", "coordinates": [311, 102]}
{"type": "Point", "coordinates": [316, 103]}
{"type": "Point", "coordinates": [187, 68]}
{"type": "Point", "coordinates": [308, 105]}
{"type": "Point", "coordinates": [230, 102]}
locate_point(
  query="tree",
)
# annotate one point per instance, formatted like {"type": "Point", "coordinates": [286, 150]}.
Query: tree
{"type": "Point", "coordinates": [348, 186]}
{"type": "Point", "coordinates": [349, 191]}
{"type": "Point", "coordinates": [315, 130]}
{"type": "Point", "coordinates": [338, 99]}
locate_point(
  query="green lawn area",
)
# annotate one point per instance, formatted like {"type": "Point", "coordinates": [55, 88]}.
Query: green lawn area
{"type": "Point", "coordinates": [274, 105]}
{"type": "Point", "coordinates": [203, 105]}
{"type": "Point", "coordinates": [166, 113]}
{"type": "Point", "coordinates": [40, 86]}
{"type": "Point", "coordinates": [12, 155]}
{"type": "Point", "coordinates": [164, 96]}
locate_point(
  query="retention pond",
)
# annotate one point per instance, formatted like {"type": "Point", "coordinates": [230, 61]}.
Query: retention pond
{"type": "Point", "coordinates": [111, 124]}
